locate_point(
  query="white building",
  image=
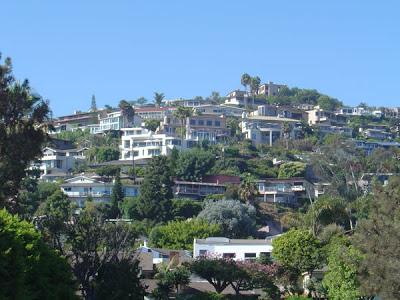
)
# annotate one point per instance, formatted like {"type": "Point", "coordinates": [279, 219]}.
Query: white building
{"type": "Point", "coordinates": [79, 188]}
{"type": "Point", "coordinates": [222, 109]}
{"type": "Point", "coordinates": [237, 249]}
{"type": "Point", "coordinates": [140, 143]}
{"type": "Point", "coordinates": [187, 102]}
{"type": "Point", "coordinates": [114, 121]}
{"type": "Point", "coordinates": [238, 97]}
{"type": "Point", "coordinates": [154, 113]}
{"type": "Point", "coordinates": [58, 160]}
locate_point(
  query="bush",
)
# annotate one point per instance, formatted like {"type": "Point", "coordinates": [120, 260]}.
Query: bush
{"type": "Point", "coordinates": [235, 218]}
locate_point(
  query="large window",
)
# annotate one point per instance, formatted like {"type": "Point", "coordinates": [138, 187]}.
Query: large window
{"type": "Point", "coordinates": [228, 255]}
{"type": "Point", "coordinates": [249, 256]}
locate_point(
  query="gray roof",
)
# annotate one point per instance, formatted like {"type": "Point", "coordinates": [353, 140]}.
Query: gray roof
{"type": "Point", "coordinates": [226, 241]}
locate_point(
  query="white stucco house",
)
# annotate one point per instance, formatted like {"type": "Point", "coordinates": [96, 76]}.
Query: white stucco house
{"type": "Point", "coordinates": [139, 143]}
{"type": "Point", "coordinates": [79, 188]}
{"type": "Point", "coordinates": [237, 249]}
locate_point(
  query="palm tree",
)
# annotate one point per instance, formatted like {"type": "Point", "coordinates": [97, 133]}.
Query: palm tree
{"type": "Point", "coordinates": [127, 110]}
{"type": "Point", "coordinates": [254, 85]}
{"type": "Point", "coordinates": [182, 113]}
{"type": "Point", "coordinates": [287, 129]}
{"type": "Point", "coordinates": [245, 81]}
{"type": "Point", "coordinates": [158, 98]}
{"type": "Point", "coordinates": [248, 190]}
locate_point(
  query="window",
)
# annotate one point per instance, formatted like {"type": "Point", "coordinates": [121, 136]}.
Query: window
{"type": "Point", "coordinates": [217, 123]}
{"type": "Point", "coordinates": [203, 252]}
{"type": "Point", "coordinates": [192, 122]}
{"type": "Point", "coordinates": [201, 122]}
{"type": "Point", "coordinates": [228, 255]}
{"type": "Point", "coordinates": [250, 255]}
{"type": "Point", "coordinates": [127, 144]}
{"type": "Point", "coordinates": [209, 123]}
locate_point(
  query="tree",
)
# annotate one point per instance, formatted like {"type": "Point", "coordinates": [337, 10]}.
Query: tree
{"type": "Point", "coordinates": [291, 169]}
{"type": "Point", "coordinates": [341, 279]}
{"type": "Point", "coordinates": [93, 244]}
{"type": "Point", "coordinates": [155, 191]}
{"type": "Point", "coordinates": [235, 218]}
{"type": "Point", "coordinates": [119, 279]}
{"type": "Point", "coordinates": [29, 269]}
{"type": "Point", "coordinates": [245, 81]}
{"type": "Point", "coordinates": [151, 124]}
{"type": "Point", "coordinates": [127, 110]}
{"type": "Point", "coordinates": [117, 196]}
{"type": "Point", "coordinates": [102, 154]}
{"type": "Point", "coordinates": [158, 98]}
{"type": "Point", "coordinates": [57, 211]}
{"type": "Point", "coordinates": [297, 249]}
{"type": "Point", "coordinates": [254, 85]}
{"type": "Point", "coordinates": [217, 271]}
{"type": "Point", "coordinates": [141, 101]}
{"type": "Point", "coordinates": [378, 240]}
{"type": "Point", "coordinates": [180, 234]}
{"type": "Point", "coordinates": [24, 119]}
{"type": "Point", "coordinates": [177, 277]}
{"type": "Point", "coordinates": [248, 190]}
{"type": "Point", "coordinates": [185, 208]}
{"type": "Point", "coordinates": [93, 106]}
{"type": "Point", "coordinates": [182, 113]}
{"type": "Point", "coordinates": [328, 103]}
{"type": "Point", "coordinates": [193, 164]}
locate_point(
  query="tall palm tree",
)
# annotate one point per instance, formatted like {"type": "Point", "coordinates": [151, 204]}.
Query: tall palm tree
{"type": "Point", "coordinates": [287, 129]}
{"type": "Point", "coordinates": [248, 190]}
{"type": "Point", "coordinates": [158, 98]}
{"type": "Point", "coordinates": [254, 85]}
{"type": "Point", "coordinates": [182, 113]}
{"type": "Point", "coordinates": [127, 110]}
{"type": "Point", "coordinates": [245, 81]}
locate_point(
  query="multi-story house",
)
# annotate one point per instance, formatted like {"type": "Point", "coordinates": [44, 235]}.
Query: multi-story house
{"type": "Point", "coordinates": [209, 127]}
{"type": "Point", "coordinates": [237, 249]}
{"type": "Point", "coordinates": [77, 120]}
{"type": "Point", "coordinates": [209, 185]}
{"type": "Point", "coordinates": [369, 147]}
{"type": "Point", "coordinates": [376, 134]}
{"type": "Point", "coordinates": [188, 102]}
{"type": "Point", "coordinates": [328, 122]}
{"type": "Point", "coordinates": [222, 109]}
{"type": "Point", "coordinates": [281, 111]}
{"type": "Point", "coordinates": [267, 129]}
{"type": "Point", "coordinates": [112, 121]}
{"type": "Point", "coordinates": [285, 191]}
{"type": "Point", "coordinates": [141, 144]}
{"type": "Point", "coordinates": [156, 113]}
{"type": "Point", "coordinates": [392, 112]}
{"type": "Point", "coordinates": [270, 89]}
{"type": "Point", "coordinates": [58, 160]}
{"type": "Point", "coordinates": [238, 97]}
{"type": "Point", "coordinates": [79, 188]}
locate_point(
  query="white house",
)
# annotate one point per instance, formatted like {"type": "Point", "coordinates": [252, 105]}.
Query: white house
{"type": "Point", "coordinates": [139, 143]}
{"type": "Point", "coordinates": [58, 159]}
{"type": "Point", "coordinates": [79, 188]}
{"type": "Point", "coordinates": [114, 121]}
{"type": "Point", "coordinates": [237, 249]}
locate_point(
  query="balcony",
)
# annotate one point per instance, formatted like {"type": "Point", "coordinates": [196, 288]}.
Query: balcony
{"type": "Point", "coordinates": [86, 194]}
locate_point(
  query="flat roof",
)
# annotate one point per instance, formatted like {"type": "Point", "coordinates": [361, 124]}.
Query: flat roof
{"type": "Point", "coordinates": [227, 241]}
{"type": "Point", "coordinates": [272, 119]}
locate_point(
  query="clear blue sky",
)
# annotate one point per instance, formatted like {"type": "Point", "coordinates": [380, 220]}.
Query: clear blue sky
{"type": "Point", "coordinates": [125, 49]}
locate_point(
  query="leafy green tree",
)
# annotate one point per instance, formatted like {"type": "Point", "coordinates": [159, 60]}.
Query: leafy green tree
{"type": "Point", "coordinates": [158, 98]}
{"type": "Point", "coordinates": [298, 249]}
{"type": "Point", "coordinates": [141, 101]}
{"type": "Point", "coordinates": [102, 154]}
{"type": "Point", "coordinates": [176, 277]}
{"type": "Point", "coordinates": [119, 279]}
{"type": "Point", "coordinates": [193, 164]}
{"type": "Point", "coordinates": [254, 85]}
{"type": "Point", "coordinates": [93, 244]}
{"type": "Point", "coordinates": [180, 234]}
{"type": "Point", "coordinates": [108, 171]}
{"type": "Point", "coordinates": [185, 208]}
{"type": "Point", "coordinates": [341, 279]}
{"type": "Point", "coordinates": [57, 211]}
{"type": "Point", "coordinates": [155, 191]}
{"type": "Point", "coordinates": [151, 124]}
{"type": "Point", "coordinates": [29, 269]}
{"type": "Point", "coordinates": [378, 240]}
{"type": "Point", "coordinates": [24, 118]}
{"type": "Point", "coordinates": [291, 169]}
{"type": "Point", "coordinates": [328, 103]}
{"type": "Point", "coordinates": [219, 272]}
{"type": "Point", "coordinates": [236, 219]}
